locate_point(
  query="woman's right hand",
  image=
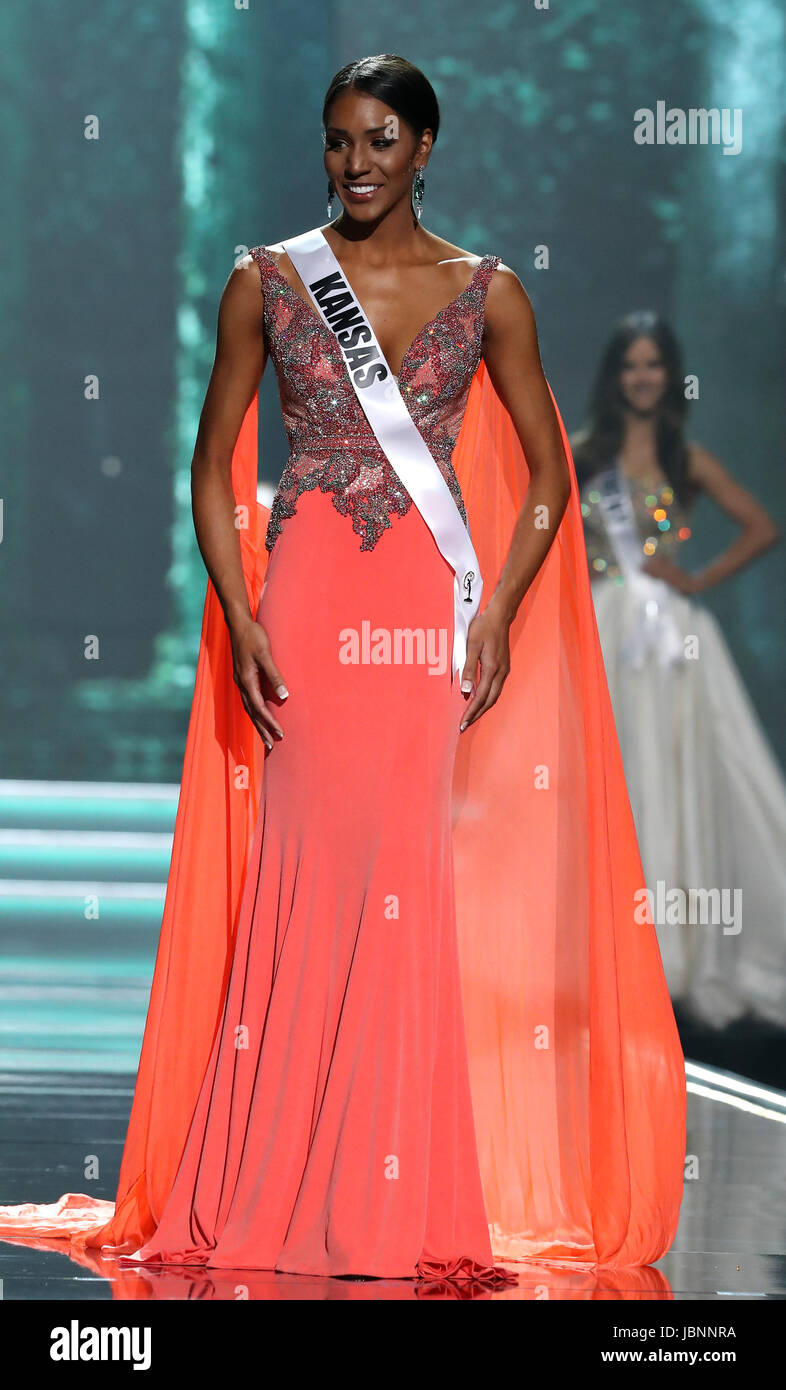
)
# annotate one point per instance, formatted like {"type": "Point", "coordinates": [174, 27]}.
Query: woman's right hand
{"type": "Point", "coordinates": [254, 671]}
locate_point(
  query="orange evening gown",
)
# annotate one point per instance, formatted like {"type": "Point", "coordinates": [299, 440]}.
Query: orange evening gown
{"type": "Point", "coordinates": [408, 1015]}
{"type": "Point", "coordinates": [333, 1132]}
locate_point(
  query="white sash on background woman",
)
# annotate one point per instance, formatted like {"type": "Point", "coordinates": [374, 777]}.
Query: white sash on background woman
{"type": "Point", "coordinates": [397, 434]}
{"type": "Point", "coordinates": [654, 628]}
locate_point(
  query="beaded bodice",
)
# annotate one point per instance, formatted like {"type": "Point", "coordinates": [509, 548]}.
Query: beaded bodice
{"type": "Point", "coordinates": [332, 445]}
{"type": "Point", "coordinates": [661, 522]}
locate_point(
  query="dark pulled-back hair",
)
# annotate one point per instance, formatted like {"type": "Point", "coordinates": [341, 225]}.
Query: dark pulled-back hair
{"type": "Point", "coordinates": [394, 81]}
{"type": "Point", "coordinates": [601, 439]}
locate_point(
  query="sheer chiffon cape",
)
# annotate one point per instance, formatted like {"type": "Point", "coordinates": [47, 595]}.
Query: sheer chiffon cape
{"type": "Point", "coordinates": [577, 1073]}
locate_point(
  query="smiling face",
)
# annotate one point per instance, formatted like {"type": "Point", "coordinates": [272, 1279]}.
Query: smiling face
{"type": "Point", "coordinates": [643, 376]}
{"type": "Point", "coordinates": [371, 155]}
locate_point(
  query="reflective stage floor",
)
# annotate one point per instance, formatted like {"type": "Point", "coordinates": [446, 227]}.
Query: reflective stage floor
{"type": "Point", "coordinates": [729, 1245]}
{"type": "Point", "coordinates": [73, 1000]}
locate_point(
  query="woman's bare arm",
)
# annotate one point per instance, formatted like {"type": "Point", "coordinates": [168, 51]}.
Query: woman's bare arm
{"type": "Point", "coordinates": [512, 356]}
{"type": "Point", "coordinates": [758, 532]}
{"type": "Point", "coordinates": [237, 369]}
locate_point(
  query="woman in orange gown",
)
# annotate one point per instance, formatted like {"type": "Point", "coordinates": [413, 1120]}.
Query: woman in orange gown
{"type": "Point", "coordinates": [407, 1014]}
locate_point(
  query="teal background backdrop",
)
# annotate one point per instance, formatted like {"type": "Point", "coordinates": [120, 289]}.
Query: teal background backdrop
{"type": "Point", "coordinates": [117, 250]}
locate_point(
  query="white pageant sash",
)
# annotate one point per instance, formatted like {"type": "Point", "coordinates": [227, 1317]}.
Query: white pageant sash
{"type": "Point", "coordinates": [377, 390]}
{"type": "Point", "coordinates": [655, 628]}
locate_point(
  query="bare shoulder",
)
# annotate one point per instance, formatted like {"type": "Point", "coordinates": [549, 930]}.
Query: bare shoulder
{"type": "Point", "coordinates": [241, 298]}
{"type": "Point", "coordinates": [275, 249]}
{"type": "Point", "coordinates": [701, 463]}
{"type": "Point", "coordinates": [281, 261]}
{"type": "Point", "coordinates": [708, 473]}
{"type": "Point", "coordinates": [248, 274]}
{"type": "Point", "coordinates": [505, 295]}
{"type": "Point", "coordinates": [244, 276]}
{"type": "Point", "coordinates": [445, 253]}
{"type": "Point", "coordinates": [506, 289]}
{"type": "Point", "coordinates": [508, 306]}
{"type": "Point", "coordinates": [706, 470]}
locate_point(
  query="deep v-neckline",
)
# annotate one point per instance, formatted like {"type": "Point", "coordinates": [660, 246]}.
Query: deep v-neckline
{"type": "Point", "coordinates": [317, 321]}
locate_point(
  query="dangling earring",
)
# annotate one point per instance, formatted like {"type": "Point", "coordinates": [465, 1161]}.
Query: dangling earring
{"type": "Point", "coordinates": [418, 185]}
{"type": "Point", "coordinates": [331, 191]}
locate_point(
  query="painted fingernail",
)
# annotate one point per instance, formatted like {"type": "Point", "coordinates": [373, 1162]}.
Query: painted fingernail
{"type": "Point", "coordinates": [282, 692]}
{"type": "Point", "coordinates": [462, 727]}
{"type": "Point", "coordinates": [466, 686]}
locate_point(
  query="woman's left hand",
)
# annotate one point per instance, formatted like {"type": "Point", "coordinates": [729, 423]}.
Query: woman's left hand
{"type": "Point", "coordinates": [488, 642]}
{"type": "Point", "coordinates": [661, 568]}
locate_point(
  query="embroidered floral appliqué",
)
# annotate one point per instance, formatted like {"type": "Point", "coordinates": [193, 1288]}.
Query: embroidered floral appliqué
{"type": "Point", "coordinates": [317, 396]}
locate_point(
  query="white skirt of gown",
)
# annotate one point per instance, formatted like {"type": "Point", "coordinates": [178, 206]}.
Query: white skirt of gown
{"type": "Point", "coordinates": [708, 799]}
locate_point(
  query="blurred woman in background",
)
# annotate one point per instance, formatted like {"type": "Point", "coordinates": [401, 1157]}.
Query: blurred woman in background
{"type": "Point", "coordinates": [708, 797]}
